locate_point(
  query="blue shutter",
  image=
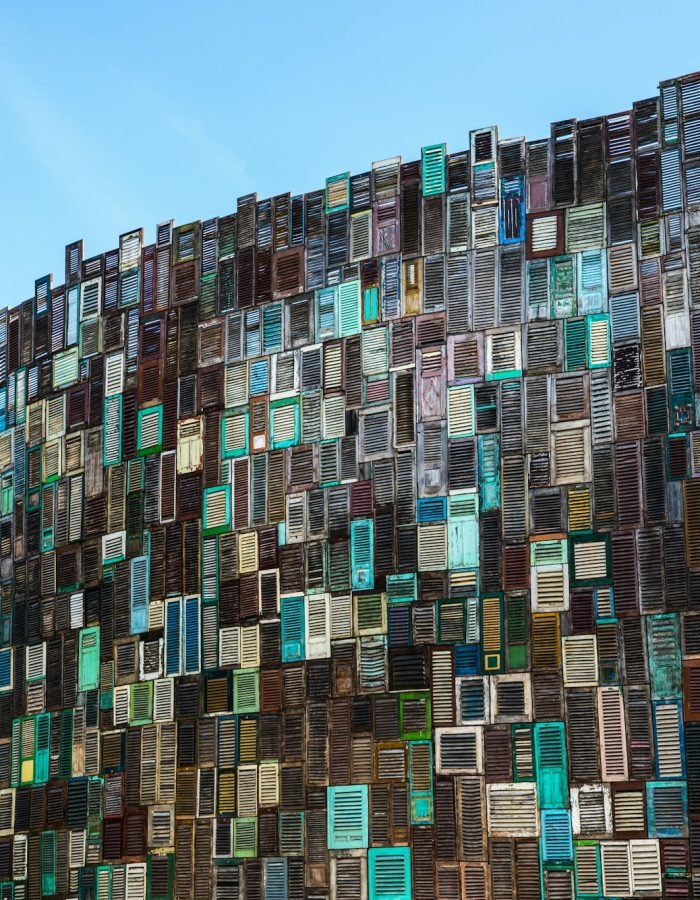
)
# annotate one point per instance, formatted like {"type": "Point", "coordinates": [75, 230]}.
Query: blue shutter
{"type": "Point", "coordinates": [140, 571]}
{"type": "Point", "coordinates": [6, 669]}
{"type": "Point", "coordinates": [326, 300]}
{"type": "Point", "coordinates": [512, 219]}
{"type": "Point", "coordinates": [557, 844]}
{"type": "Point", "coordinates": [191, 631]}
{"type": "Point", "coordinates": [172, 636]}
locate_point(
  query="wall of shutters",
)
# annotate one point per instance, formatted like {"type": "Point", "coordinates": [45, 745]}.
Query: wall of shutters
{"type": "Point", "coordinates": [350, 541]}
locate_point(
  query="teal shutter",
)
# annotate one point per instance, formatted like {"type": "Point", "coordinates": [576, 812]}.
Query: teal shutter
{"type": "Point", "coordinates": [362, 552]}
{"type": "Point", "coordinates": [663, 641]}
{"type": "Point", "coordinates": [292, 628]}
{"type": "Point", "coordinates": [667, 809]}
{"type": "Point", "coordinates": [389, 873]}
{"type": "Point", "coordinates": [463, 530]}
{"type": "Point", "coordinates": [272, 328]}
{"type": "Point", "coordinates": [348, 817]}
{"type": "Point", "coordinates": [48, 863]}
{"type": "Point", "coordinates": [43, 745]}
{"type": "Point", "coordinates": [489, 472]}
{"type": "Point", "coordinates": [552, 777]}
{"type": "Point", "coordinates": [433, 169]}
{"type": "Point", "coordinates": [89, 651]}
{"type": "Point", "coordinates": [349, 302]}
{"type": "Point", "coordinates": [575, 344]}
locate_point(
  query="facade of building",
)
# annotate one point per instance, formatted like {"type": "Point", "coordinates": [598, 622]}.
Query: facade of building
{"type": "Point", "coordinates": [350, 542]}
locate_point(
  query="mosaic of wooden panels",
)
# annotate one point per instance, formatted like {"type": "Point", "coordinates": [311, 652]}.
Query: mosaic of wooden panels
{"type": "Point", "coordinates": [350, 542]}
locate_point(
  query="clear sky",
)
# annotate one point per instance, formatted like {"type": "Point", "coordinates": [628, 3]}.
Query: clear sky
{"type": "Point", "coordinates": [116, 114]}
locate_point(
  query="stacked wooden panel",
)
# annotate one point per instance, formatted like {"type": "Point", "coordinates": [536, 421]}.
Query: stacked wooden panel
{"type": "Point", "coordinates": [350, 542]}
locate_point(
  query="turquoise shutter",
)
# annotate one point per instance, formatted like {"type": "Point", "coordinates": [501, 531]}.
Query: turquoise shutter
{"type": "Point", "coordinates": [362, 552]}
{"type": "Point", "coordinates": [140, 571]}
{"type": "Point", "coordinates": [349, 302]}
{"type": "Point", "coordinates": [463, 531]}
{"type": "Point", "coordinates": [552, 773]}
{"type": "Point", "coordinates": [663, 642]}
{"type": "Point", "coordinates": [89, 653]}
{"type": "Point", "coordinates": [43, 745]}
{"type": "Point", "coordinates": [389, 873]}
{"type": "Point", "coordinates": [172, 636]}
{"type": "Point", "coordinates": [348, 817]}
{"type": "Point", "coordinates": [292, 628]}
{"type": "Point", "coordinates": [433, 169]}
{"type": "Point", "coordinates": [489, 472]}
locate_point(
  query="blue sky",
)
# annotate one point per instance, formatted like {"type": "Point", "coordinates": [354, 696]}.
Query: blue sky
{"type": "Point", "coordinates": [119, 115]}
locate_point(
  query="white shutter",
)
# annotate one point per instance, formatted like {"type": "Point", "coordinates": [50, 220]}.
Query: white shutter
{"type": "Point", "coordinates": [19, 857]}
{"type": "Point", "coordinates": [7, 811]}
{"type": "Point", "coordinates": [646, 867]}
{"type": "Point", "coordinates": [247, 790]}
{"type": "Point", "coordinates": [229, 647]}
{"type": "Point", "coordinates": [580, 660]}
{"type": "Point", "coordinates": [35, 661]}
{"type": "Point", "coordinates": [268, 784]}
{"type": "Point", "coordinates": [341, 617]}
{"type": "Point", "coordinates": [77, 844]}
{"type": "Point", "coordinates": [114, 374]}
{"type": "Point", "coordinates": [459, 750]}
{"type": "Point", "coordinates": [512, 810]}
{"type": "Point", "coordinates": [250, 646]}
{"type": "Point", "coordinates": [317, 626]}
{"type": "Point", "coordinates": [611, 720]}
{"type": "Point", "coordinates": [121, 704]}
{"type": "Point", "coordinates": [163, 699]}
{"type": "Point", "coordinates": [113, 546]}
{"type": "Point", "coordinates": [669, 757]}
{"type": "Point", "coordinates": [617, 877]}
{"type": "Point", "coordinates": [544, 233]}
